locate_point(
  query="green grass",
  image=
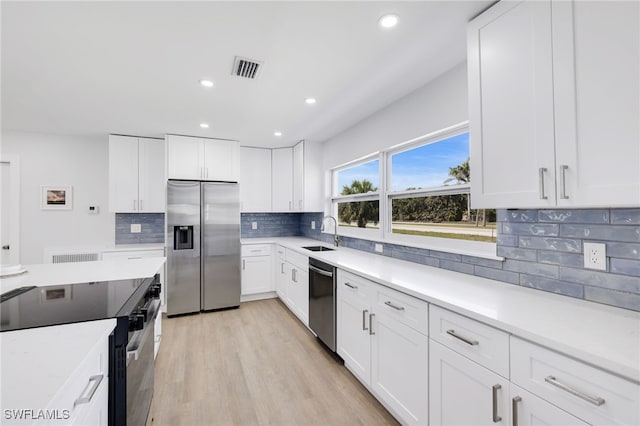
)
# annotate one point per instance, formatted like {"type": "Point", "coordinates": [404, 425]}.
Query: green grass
{"type": "Point", "coordinates": [490, 225]}
{"type": "Point", "coordinates": [446, 235]}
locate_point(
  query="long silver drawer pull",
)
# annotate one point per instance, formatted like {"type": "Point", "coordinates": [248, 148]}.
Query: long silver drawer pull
{"type": "Point", "coordinates": [464, 339]}
{"type": "Point", "coordinates": [94, 382]}
{"type": "Point", "coordinates": [371, 333]}
{"type": "Point", "coordinates": [541, 172]}
{"type": "Point", "coordinates": [396, 307]}
{"type": "Point", "coordinates": [494, 399]}
{"type": "Point", "coordinates": [351, 286]}
{"type": "Point", "coordinates": [293, 275]}
{"type": "Point", "coordinates": [592, 399]}
{"type": "Point", "coordinates": [514, 410]}
{"type": "Point", "coordinates": [364, 319]}
{"type": "Point", "coordinates": [281, 268]}
{"type": "Point", "coordinates": [563, 186]}
{"type": "Point", "coordinates": [321, 272]}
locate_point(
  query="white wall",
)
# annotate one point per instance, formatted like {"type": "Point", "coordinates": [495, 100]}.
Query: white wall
{"type": "Point", "coordinates": [438, 104]}
{"type": "Point", "coordinates": [61, 160]}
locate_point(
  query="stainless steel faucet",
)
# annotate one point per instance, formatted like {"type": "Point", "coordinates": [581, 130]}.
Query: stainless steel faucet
{"type": "Point", "coordinates": [336, 239]}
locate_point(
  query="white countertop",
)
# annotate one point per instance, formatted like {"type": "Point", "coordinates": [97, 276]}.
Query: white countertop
{"type": "Point", "coordinates": [79, 272]}
{"type": "Point", "coordinates": [602, 335]}
{"type": "Point", "coordinates": [37, 362]}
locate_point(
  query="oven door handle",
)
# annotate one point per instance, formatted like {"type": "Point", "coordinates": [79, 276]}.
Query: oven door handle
{"type": "Point", "coordinates": [141, 336]}
{"type": "Point", "coordinates": [321, 272]}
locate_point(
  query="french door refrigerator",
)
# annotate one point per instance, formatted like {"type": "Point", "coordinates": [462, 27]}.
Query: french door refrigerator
{"type": "Point", "coordinates": [203, 246]}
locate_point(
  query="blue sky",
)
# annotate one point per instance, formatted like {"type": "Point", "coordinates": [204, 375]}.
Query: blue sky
{"type": "Point", "coordinates": [423, 167]}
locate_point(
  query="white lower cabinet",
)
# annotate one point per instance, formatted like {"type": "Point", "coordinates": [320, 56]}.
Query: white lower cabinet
{"type": "Point", "coordinates": [463, 392]}
{"type": "Point", "coordinates": [378, 345]}
{"type": "Point", "coordinates": [529, 410]}
{"type": "Point", "coordinates": [292, 281]}
{"type": "Point", "coordinates": [280, 275]}
{"type": "Point", "coordinates": [257, 264]}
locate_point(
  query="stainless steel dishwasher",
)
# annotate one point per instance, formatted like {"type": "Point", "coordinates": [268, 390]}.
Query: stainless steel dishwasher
{"type": "Point", "coordinates": [322, 301]}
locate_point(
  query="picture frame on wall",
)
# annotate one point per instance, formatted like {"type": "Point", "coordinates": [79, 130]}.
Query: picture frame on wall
{"type": "Point", "coordinates": [56, 197]}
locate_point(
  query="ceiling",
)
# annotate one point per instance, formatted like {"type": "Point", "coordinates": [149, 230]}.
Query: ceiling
{"type": "Point", "coordinates": [93, 68]}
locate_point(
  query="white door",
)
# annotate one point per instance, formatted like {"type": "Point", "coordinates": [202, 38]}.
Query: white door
{"type": "Point", "coordinates": [123, 174]}
{"type": "Point", "coordinates": [256, 274]}
{"type": "Point", "coordinates": [221, 160]}
{"type": "Point", "coordinates": [184, 157]}
{"type": "Point", "coordinates": [10, 211]}
{"type": "Point", "coordinates": [400, 368]}
{"type": "Point", "coordinates": [463, 392]}
{"type": "Point", "coordinates": [511, 106]}
{"type": "Point", "coordinates": [255, 179]}
{"type": "Point", "coordinates": [529, 410]}
{"type": "Point", "coordinates": [597, 101]}
{"type": "Point", "coordinates": [151, 180]}
{"type": "Point", "coordinates": [298, 177]}
{"type": "Point", "coordinates": [352, 329]}
{"type": "Point", "coordinates": [282, 180]}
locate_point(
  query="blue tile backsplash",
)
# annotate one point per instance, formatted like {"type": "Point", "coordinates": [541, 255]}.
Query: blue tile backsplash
{"type": "Point", "coordinates": [270, 225]}
{"type": "Point", "coordinates": [152, 228]}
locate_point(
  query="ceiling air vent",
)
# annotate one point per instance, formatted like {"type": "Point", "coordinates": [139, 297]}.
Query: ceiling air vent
{"type": "Point", "coordinates": [247, 68]}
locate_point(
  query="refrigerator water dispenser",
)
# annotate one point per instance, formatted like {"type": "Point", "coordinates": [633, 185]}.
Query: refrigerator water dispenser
{"type": "Point", "coordinates": [183, 237]}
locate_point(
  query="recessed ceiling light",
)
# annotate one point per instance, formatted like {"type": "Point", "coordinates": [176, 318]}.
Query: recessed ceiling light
{"type": "Point", "coordinates": [277, 133]}
{"type": "Point", "coordinates": [206, 83]}
{"type": "Point", "coordinates": [204, 125]}
{"type": "Point", "coordinates": [388, 21]}
{"type": "Point", "coordinates": [310, 101]}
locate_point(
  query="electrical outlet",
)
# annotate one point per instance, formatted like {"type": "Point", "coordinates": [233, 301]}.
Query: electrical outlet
{"type": "Point", "coordinates": [136, 228]}
{"type": "Point", "coordinates": [254, 225]}
{"type": "Point", "coordinates": [313, 224]}
{"type": "Point", "coordinates": [378, 248]}
{"type": "Point", "coordinates": [595, 256]}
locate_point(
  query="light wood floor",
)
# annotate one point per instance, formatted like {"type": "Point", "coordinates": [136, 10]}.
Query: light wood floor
{"type": "Point", "coordinates": [257, 365]}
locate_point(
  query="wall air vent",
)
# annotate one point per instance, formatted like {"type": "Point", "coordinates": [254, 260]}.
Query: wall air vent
{"type": "Point", "coordinates": [247, 68]}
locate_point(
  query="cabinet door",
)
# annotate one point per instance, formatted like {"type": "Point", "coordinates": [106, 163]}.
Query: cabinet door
{"type": "Point", "coordinates": [529, 410]}
{"type": "Point", "coordinates": [255, 179]}
{"type": "Point", "coordinates": [123, 174]}
{"type": "Point", "coordinates": [400, 368]}
{"type": "Point", "coordinates": [352, 328]}
{"type": "Point", "coordinates": [97, 412]}
{"type": "Point", "coordinates": [151, 180]}
{"type": "Point", "coordinates": [221, 160]}
{"type": "Point", "coordinates": [184, 157]}
{"type": "Point", "coordinates": [597, 102]}
{"type": "Point", "coordinates": [256, 275]}
{"type": "Point", "coordinates": [298, 293]}
{"type": "Point", "coordinates": [298, 177]}
{"type": "Point", "coordinates": [511, 106]}
{"type": "Point", "coordinates": [282, 180]}
{"type": "Point", "coordinates": [462, 392]}
{"type": "Point", "coordinates": [280, 273]}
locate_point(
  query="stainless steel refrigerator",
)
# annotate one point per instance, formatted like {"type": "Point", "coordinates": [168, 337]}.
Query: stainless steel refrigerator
{"type": "Point", "coordinates": [203, 253]}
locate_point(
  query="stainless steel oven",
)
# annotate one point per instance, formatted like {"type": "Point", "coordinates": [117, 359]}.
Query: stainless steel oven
{"type": "Point", "coordinates": [322, 301]}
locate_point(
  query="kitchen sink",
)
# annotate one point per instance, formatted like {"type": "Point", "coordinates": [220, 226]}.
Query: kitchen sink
{"type": "Point", "coordinates": [318, 248]}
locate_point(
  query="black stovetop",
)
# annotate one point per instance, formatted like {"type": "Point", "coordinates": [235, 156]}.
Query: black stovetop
{"type": "Point", "coordinates": [70, 303]}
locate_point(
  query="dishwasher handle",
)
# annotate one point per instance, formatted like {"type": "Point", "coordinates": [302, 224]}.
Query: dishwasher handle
{"type": "Point", "coordinates": [321, 272]}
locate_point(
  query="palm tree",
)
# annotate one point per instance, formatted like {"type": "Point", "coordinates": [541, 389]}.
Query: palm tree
{"type": "Point", "coordinates": [360, 211]}
{"type": "Point", "coordinates": [462, 174]}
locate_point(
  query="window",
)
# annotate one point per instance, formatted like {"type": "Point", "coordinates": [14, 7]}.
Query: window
{"type": "Point", "coordinates": [356, 195]}
{"type": "Point", "coordinates": [416, 193]}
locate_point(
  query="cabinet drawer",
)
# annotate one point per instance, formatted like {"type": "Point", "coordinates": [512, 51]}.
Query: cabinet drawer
{"type": "Point", "coordinates": [256, 250]}
{"type": "Point", "coordinates": [404, 308]}
{"type": "Point", "coordinates": [297, 259]}
{"type": "Point", "coordinates": [479, 342]}
{"type": "Point", "coordinates": [353, 286]}
{"type": "Point", "coordinates": [280, 253]}
{"type": "Point", "coordinates": [591, 394]}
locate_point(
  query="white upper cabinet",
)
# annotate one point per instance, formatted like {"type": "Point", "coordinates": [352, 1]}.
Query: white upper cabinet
{"type": "Point", "coordinates": [298, 177]}
{"type": "Point", "coordinates": [202, 159]}
{"type": "Point", "coordinates": [136, 174]}
{"type": "Point", "coordinates": [282, 180]}
{"type": "Point", "coordinates": [255, 182]}
{"type": "Point", "coordinates": [554, 105]}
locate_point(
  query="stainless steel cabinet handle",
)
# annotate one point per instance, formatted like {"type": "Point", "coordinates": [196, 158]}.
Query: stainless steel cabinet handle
{"type": "Point", "coordinates": [289, 205]}
{"type": "Point", "coordinates": [158, 338]}
{"type": "Point", "coordinates": [396, 307]}
{"type": "Point", "coordinates": [494, 399]}
{"type": "Point", "coordinates": [244, 265]}
{"type": "Point", "coordinates": [140, 205]}
{"type": "Point", "coordinates": [351, 286]}
{"type": "Point", "coordinates": [541, 172]}
{"type": "Point", "coordinates": [514, 410]}
{"type": "Point", "coordinates": [94, 382]}
{"type": "Point", "coordinates": [595, 400]}
{"type": "Point", "coordinates": [282, 267]}
{"type": "Point", "coordinates": [364, 319]}
{"type": "Point", "coordinates": [300, 204]}
{"type": "Point", "coordinates": [371, 333]}
{"type": "Point", "coordinates": [293, 275]}
{"type": "Point", "coordinates": [464, 339]}
{"type": "Point", "coordinates": [207, 172]}
{"type": "Point", "coordinates": [135, 204]}
{"type": "Point", "coordinates": [563, 186]}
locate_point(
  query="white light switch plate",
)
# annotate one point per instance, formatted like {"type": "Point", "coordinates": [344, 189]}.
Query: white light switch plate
{"type": "Point", "coordinates": [254, 225]}
{"type": "Point", "coordinates": [136, 228]}
{"type": "Point", "coordinates": [313, 224]}
{"type": "Point", "coordinates": [595, 256]}
{"type": "Point", "coordinates": [379, 248]}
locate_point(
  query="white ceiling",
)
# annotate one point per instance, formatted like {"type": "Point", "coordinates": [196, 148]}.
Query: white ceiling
{"type": "Point", "coordinates": [93, 68]}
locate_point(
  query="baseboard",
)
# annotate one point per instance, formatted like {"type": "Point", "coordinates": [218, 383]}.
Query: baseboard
{"type": "Point", "coordinates": [258, 296]}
